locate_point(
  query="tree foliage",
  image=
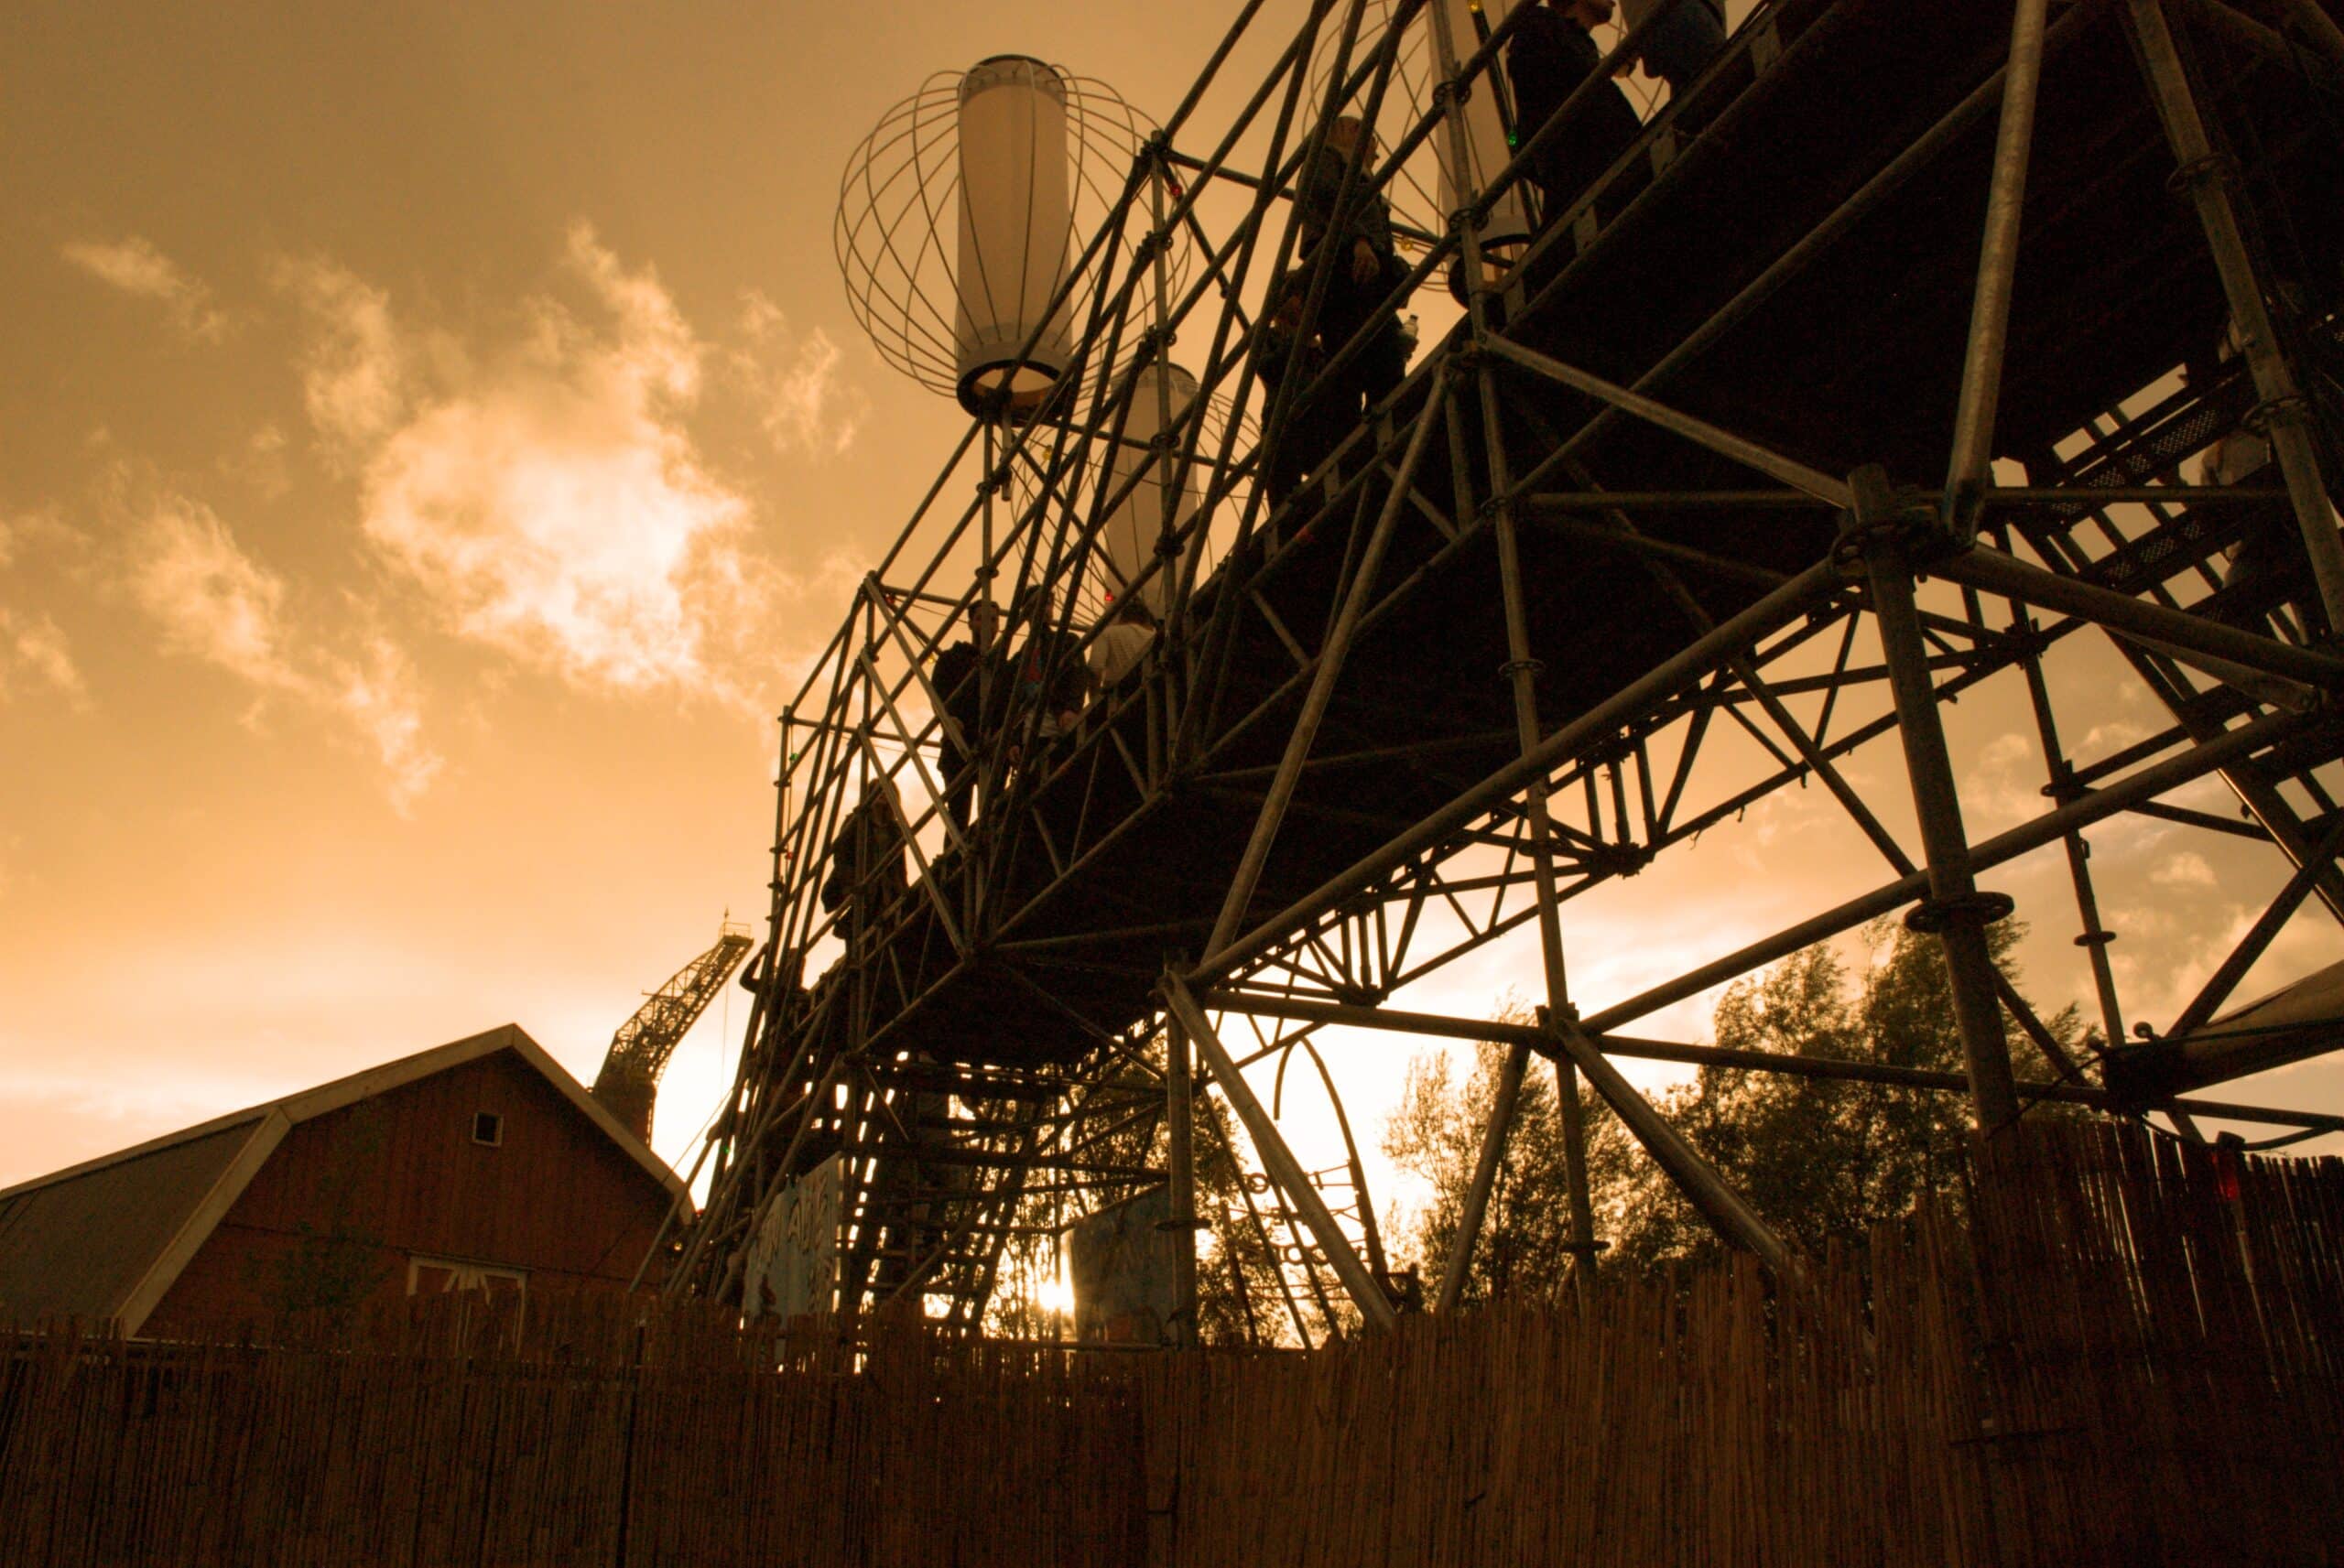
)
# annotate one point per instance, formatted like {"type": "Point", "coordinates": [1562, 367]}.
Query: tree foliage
{"type": "Point", "coordinates": [1822, 1160]}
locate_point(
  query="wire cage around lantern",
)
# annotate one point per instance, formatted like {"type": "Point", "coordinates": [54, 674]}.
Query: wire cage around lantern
{"type": "Point", "coordinates": [1115, 491]}
{"type": "Point", "coordinates": [959, 222]}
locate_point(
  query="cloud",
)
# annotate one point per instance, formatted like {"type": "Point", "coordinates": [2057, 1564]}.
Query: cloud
{"type": "Point", "coordinates": [801, 403]}
{"type": "Point", "coordinates": [33, 652]}
{"type": "Point", "coordinates": [2188, 869]}
{"type": "Point", "coordinates": [215, 602]}
{"type": "Point", "coordinates": [550, 502]}
{"type": "Point", "coordinates": [260, 463]}
{"type": "Point", "coordinates": [209, 599]}
{"type": "Point", "coordinates": [135, 267]}
{"type": "Point", "coordinates": [355, 369]}
{"type": "Point", "coordinates": [376, 693]}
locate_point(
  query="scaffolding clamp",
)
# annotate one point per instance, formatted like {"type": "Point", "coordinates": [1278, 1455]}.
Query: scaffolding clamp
{"type": "Point", "coordinates": [1933, 916]}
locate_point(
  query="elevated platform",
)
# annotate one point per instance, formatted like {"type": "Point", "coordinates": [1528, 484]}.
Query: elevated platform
{"type": "Point", "coordinates": [1790, 255]}
{"type": "Point", "coordinates": [1853, 359]}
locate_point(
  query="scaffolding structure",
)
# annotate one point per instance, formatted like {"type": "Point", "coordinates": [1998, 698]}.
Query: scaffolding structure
{"type": "Point", "coordinates": [1715, 468]}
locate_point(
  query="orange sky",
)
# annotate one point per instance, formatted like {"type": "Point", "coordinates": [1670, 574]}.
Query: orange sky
{"type": "Point", "coordinates": [434, 437]}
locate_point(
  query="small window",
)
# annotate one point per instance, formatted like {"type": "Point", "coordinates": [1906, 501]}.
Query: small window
{"type": "Point", "coordinates": [488, 1128]}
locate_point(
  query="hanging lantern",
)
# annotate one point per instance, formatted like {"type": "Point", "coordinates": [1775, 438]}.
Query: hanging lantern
{"type": "Point", "coordinates": [1138, 522]}
{"type": "Point", "coordinates": [962, 215]}
{"type": "Point", "coordinates": [1017, 215]}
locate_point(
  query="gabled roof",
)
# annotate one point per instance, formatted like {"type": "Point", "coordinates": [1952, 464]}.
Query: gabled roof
{"type": "Point", "coordinates": [104, 1239]}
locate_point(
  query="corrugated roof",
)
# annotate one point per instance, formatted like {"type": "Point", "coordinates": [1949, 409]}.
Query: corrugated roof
{"type": "Point", "coordinates": [105, 1238]}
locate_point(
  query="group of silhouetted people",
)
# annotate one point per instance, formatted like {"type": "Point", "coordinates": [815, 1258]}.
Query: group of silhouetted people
{"type": "Point", "coordinates": [1032, 700]}
{"type": "Point", "coordinates": [1331, 359]}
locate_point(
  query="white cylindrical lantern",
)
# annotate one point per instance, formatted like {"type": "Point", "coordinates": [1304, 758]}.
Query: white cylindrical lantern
{"type": "Point", "coordinates": [1488, 112]}
{"type": "Point", "coordinates": [1129, 542]}
{"type": "Point", "coordinates": [1017, 223]}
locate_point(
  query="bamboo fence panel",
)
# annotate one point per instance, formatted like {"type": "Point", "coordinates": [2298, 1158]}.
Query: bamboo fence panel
{"type": "Point", "coordinates": [2119, 1349]}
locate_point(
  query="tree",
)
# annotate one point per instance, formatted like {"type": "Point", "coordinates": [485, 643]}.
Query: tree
{"type": "Point", "coordinates": [334, 1264]}
{"type": "Point", "coordinates": [1435, 1133]}
{"type": "Point", "coordinates": [1822, 1160]}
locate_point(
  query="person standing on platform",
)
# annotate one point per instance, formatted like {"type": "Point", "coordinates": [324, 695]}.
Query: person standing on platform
{"type": "Point", "coordinates": [1312, 426]}
{"type": "Point", "coordinates": [1049, 672]}
{"type": "Point", "coordinates": [961, 678]}
{"type": "Point", "coordinates": [867, 873]}
{"type": "Point", "coordinates": [1123, 643]}
{"type": "Point", "coordinates": [1552, 51]}
{"type": "Point", "coordinates": [1684, 42]}
{"type": "Point", "coordinates": [1364, 271]}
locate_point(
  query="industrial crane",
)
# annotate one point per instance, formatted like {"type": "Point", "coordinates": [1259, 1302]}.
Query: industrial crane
{"type": "Point", "coordinates": [629, 1081]}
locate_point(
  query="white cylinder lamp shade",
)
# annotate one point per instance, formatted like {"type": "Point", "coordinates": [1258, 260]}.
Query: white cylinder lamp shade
{"type": "Point", "coordinates": [1507, 228]}
{"type": "Point", "coordinates": [1016, 223]}
{"type": "Point", "coordinates": [1137, 521]}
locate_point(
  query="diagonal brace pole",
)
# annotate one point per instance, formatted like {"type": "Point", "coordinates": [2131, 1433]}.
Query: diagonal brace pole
{"type": "Point", "coordinates": [1322, 679]}
{"type": "Point", "coordinates": [1485, 1170]}
{"type": "Point", "coordinates": [1700, 432]}
{"type": "Point", "coordinates": [1990, 312]}
{"type": "Point", "coordinates": [1373, 1305]}
{"type": "Point", "coordinates": [2210, 178]}
{"type": "Point", "coordinates": [1718, 1202]}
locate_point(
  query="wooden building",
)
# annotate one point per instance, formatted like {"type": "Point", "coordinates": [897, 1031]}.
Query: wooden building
{"type": "Point", "coordinates": [481, 1163]}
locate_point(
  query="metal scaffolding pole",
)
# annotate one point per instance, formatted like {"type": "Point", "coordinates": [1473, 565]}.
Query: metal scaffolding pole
{"type": "Point", "coordinates": [1522, 674]}
{"type": "Point", "coordinates": [1982, 369]}
{"type": "Point", "coordinates": [1284, 1168]}
{"type": "Point", "coordinates": [1695, 1176]}
{"type": "Point", "coordinates": [1180, 1129]}
{"type": "Point", "coordinates": [1955, 909]}
{"type": "Point", "coordinates": [1505, 1095]}
{"type": "Point", "coordinates": [1322, 683]}
{"type": "Point", "coordinates": [2209, 176]}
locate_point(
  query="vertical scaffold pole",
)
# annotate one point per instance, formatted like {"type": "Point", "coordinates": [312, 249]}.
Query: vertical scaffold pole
{"type": "Point", "coordinates": [2209, 178]}
{"type": "Point", "coordinates": [1522, 672]}
{"type": "Point", "coordinates": [1955, 909]}
{"type": "Point", "coordinates": [1180, 1127]}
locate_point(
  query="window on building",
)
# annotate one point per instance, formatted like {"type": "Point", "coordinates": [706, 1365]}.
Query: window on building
{"type": "Point", "coordinates": [437, 1276]}
{"type": "Point", "coordinates": [488, 1128]}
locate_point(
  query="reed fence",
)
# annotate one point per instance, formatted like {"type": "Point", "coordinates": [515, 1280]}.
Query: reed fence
{"type": "Point", "coordinates": [2120, 1350]}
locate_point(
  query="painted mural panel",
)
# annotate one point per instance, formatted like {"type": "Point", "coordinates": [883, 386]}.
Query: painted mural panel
{"type": "Point", "coordinates": [1123, 1265]}
{"type": "Point", "coordinates": [793, 1263]}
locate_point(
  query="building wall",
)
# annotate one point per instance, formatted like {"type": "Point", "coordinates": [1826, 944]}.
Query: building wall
{"type": "Point", "coordinates": [350, 1197]}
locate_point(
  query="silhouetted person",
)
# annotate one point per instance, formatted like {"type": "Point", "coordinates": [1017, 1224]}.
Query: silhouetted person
{"type": "Point", "coordinates": [1313, 422]}
{"type": "Point", "coordinates": [1366, 268]}
{"type": "Point", "coordinates": [866, 867]}
{"type": "Point", "coordinates": [963, 672]}
{"type": "Point", "coordinates": [1049, 674]}
{"type": "Point", "coordinates": [1123, 643]}
{"type": "Point", "coordinates": [1548, 56]}
{"type": "Point", "coordinates": [1684, 42]}
{"type": "Point", "coordinates": [1354, 241]}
